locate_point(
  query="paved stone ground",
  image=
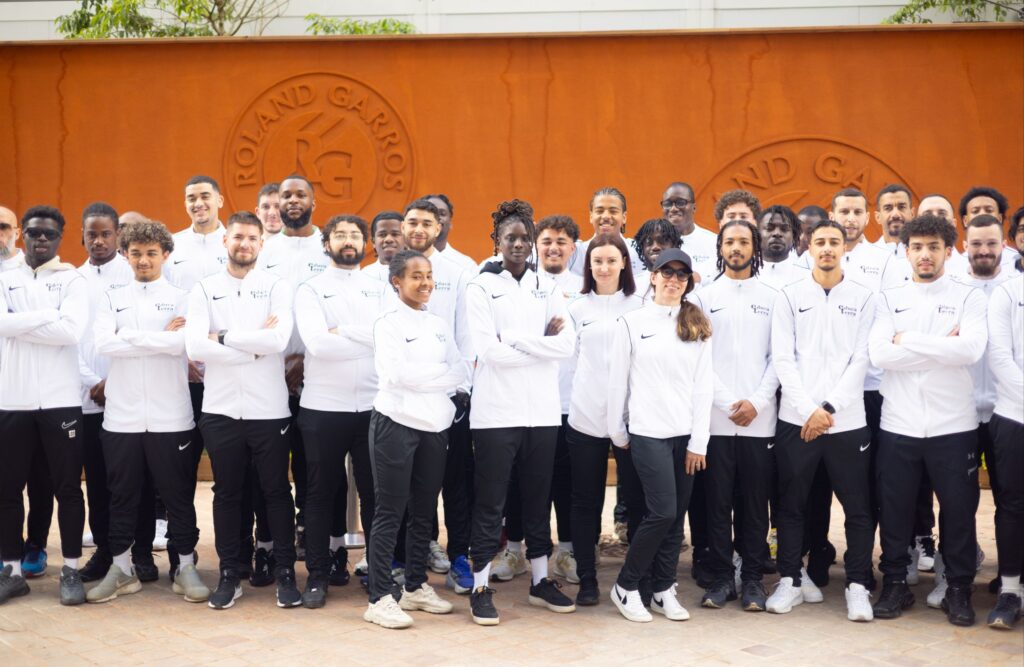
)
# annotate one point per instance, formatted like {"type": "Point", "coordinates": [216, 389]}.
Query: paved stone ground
{"type": "Point", "coordinates": [156, 627]}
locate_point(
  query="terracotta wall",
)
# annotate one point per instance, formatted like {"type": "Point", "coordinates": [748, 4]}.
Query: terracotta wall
{"type": "Point", "coordinates": [792, 115]}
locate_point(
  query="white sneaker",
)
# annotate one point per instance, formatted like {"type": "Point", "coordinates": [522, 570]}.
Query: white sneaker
{"type": "Point", "coordinates": [784, 597]}
{"type": "Point", "coordinates": [858, 603]}
{"type": "Point", "coordinates": [667, 604]}
{"type": "Point", "coordinates": [912, 577]}
{"type": "Point", "coordinates": [737, 566]}
{"type": "Point", "coordinates": [565, 567]}
{"type": "Point", "coordinates": [811, 593]}
{"type": "Point", "coordinates": [938, 593]}
{"type": "Point", "coordinates": [160, 538]}
{"type": "Point", "coordinates": [630, 605]}
{"type": "Point", "coordinates": [386, 613]}
{"type": "Point", "coordinates": [362, 569]}
{"type": "Point", "coordinates": [925, 563]}
{"type": "Point", "coordinates": [437, 559]}
{"type": "Point", "coordinates": [88, 541]}
{"type": "Point", "coordinates": [508, 564]}
{"type": "Point", "coordinates": [424, 599]}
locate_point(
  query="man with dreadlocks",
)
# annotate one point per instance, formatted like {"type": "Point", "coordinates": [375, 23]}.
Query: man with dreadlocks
{"type": "Point", "coordinates": [653, 236]}
{"type": "Point", "coordinates": [779, 229]}
{"type": "Point", "coordinates": [743, 417]}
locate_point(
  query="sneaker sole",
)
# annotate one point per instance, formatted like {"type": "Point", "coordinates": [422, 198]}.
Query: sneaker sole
{"type": "Point", "coordinates": [814, 598]}
{"type": "Point", "coordinates": [429, 609]}
{"type": "Point", "coordinates": [558, 609]}
{"type": "Point", "coordinates": [755, 606]}
{"type": "Point", "coordinates": [784, 610]}
{"type": "Point", "coordinates": [658, 610]}
{"type": "Point", "coordinates": [229, 605]}
{"type": "Point", "coordinates": [1001, 624]}
{"type": "Point", "coordinates": [286, 605]}
{"type": "Point", "coordinates": [479, 620]}
{"type": "Point", "coordinates": [459, 590]}
{"type": "Point", "coordinates": [313, 604]}
{"type": "Point", "coordinates": [860, 618]}
{"type": "Point", "coordinates": [127, 589]}
{"type": "Point", "coordinates": [21, 592]}
{"type": "Point", "coordinates": [500, 577]}
{"type": "Point", "coordinates": [710, 604]}
{"type": "Point", "coordinates": [180, 590]}
{"type": "Point", "coordinates": [625, 614]}
{"type": "Point", "coordinates": [390, 625]}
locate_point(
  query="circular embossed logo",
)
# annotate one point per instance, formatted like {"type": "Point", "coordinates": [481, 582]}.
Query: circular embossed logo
{"type": "Point", "coordinates": [336, 131]}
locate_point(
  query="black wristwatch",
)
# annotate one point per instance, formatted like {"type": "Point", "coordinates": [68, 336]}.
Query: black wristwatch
{"type": "Point", "coordinates": [220, 336]}
{"type": "Point", "coordinates": [827, 407]}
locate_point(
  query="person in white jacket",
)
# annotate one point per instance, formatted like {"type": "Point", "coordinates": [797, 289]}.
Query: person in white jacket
{"type": "Point", "coordinates": [660, 392]}
{"type": "Point", "coordinates": [417, 365]}
{"type": "Point", "coordinates": [520, 330]}
{"type": "Point", "coordinates": [740, 462]}
{"type": "Point", "coordinates": [925, 336]}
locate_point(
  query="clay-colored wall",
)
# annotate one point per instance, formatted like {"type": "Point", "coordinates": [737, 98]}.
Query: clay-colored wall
{"type": "Point", "coordinates": [794, 115]}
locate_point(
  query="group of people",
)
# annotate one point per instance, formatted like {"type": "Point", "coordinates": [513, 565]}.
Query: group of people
{"type": "Point", "coordinates": [738, 376]}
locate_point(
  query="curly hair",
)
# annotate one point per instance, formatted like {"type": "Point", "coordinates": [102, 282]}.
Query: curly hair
{"type": "Point", "coordinates": [738, 197]}
{"type": "Point", "coordinates": [929, 225]}
{"type": "Point", "coordinates": [652, 229]}
{"type": "Point", "coordinates": [756, 261]}
{"type": "Point", "coordinates": [560, 223]}
{"type": "Point", "coordinates": [984, 191]}
{"type": "Point", "coordinates": [146, 233]}
{"type": "Point", "coordinates": [515, 210]}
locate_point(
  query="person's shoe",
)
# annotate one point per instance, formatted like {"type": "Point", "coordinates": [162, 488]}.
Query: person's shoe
{"type": "Point", "coordinates": [1006, 613]}
{"type": "Point", "coordinates": [481, 606]}
{"type": "Point", "coordinates": [810, 592]}
{"type": "Point", "coordinates": [300, 543]}
{"type": "Point", "coordinates": [88, 541]}
{"type": "Point", "coordinates": [117, 582]}
{"type": "Point", "coordinates": [424, 599]}
{"type": "Point", "coordinates": [146, 570]}
{"type": "Point", "coordinates": [12, 585]}
{"type": "Point", "coordinates": [508, 564]}
{"type": "Point", "coordinates": [718, 593]}
{"type": "Point", "coordinates": [96, 567]}
{"type": "Point", "coordinates": [895, 597]}
{"type": "Point", "coordinates": [397, 572]}
{"type": "Point", "coordinates": [589, 594]}
{"type": "Point", "coordinates": [755, 597]}
{"type": "Point", "coordinates": [737, 571]}
{"type": "Point", "coordinates": [858, 603]}
{"type": "Point", "coordinates": [565, 567]}
{"type": "Point", "coordinates": [386, 613]}
{"type": "Point", "coordinates": [437, 559]}
{"type": "Point", "coordinates": [784, 597]}
{"type": "Point", "coordinates": [315, 595]}
{"type": "Point", "coordinates": [361, 568]}
{"type": "Point", "coordinates": [818, 563]}
{"type": "Point", "coordinates": [188, 584]}
{"type": "Point", "coordinates": [925, 546]}
{"type": "Point", "coordinates": [460, 576]}
{"type": "Point", "coordinates": [912, 576]}
{"type": "Point", "coordinates": [938, 594]}
{"type": "Point", "coordinates": [630, 605]}
{"type": "Point", "coordinates": [34, 563]}
{"type": "Point", "coordinates": [980, 558]}
{"type": "Point", "coordinates": [287, 593]}
{"type": "Point", "coordinates": [339, 575]}
{"type": "Point", "coordinates": [160, 536]}
{"type": "Point", "coordinates": [71, 589]}
{"type": "Point", "coordinates": [546, 593]}
{"type": "Point", "coordinates": [995, 585]}
{"type": "Point", "coordinates": [769, 567]}
{"type": "Point", "coordinates": [667, 604]}
{"type": "Point", "coordinates": [263, 569]}
{"type": "Point", "coordinates": [621, 532]}
{"type": "Point", "coordinates": [957, 605]}
{"type": "Point", "coordinates": [229, 589]}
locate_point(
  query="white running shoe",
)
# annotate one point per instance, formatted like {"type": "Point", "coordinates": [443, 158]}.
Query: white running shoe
{"type": "Point", "coordinates": [437, 559]}
{"type": "Point", "coordinates": [858, 603]}
{"type": "Point", "coordinates": [784, 597]}
{"type": "Point", "coordinates": [912, 577]}
{"type": "Point", "coordinates": [565, 567]}
{"type": "Point", "coordinates": [667, 604]}
{"type": "Point", "coordinates": [386, 613]}
{"type": "Point", "coordinates": [362, 569]}
{"type": "Point", "coordinates": [925, 545]}
{"type": "Point", "coordinates": [424, 599]}
{"type": "Point", "coordinates": [938, 593]}
{"type": "Point", "coordinates": [88, 541]}
{"type": "Point", "coordinates": [160, 537]}
{"type": "Point", "coordinates": [630, 605]}
{"type": "Point", "coordinates": [811, 593]}
{"type": "Point", "coordinates": [508, 564]}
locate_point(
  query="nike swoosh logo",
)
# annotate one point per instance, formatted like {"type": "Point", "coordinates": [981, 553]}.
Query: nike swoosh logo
{"type": "Point", "coordinates": [330, 296]}
{"type": "Point", "coordinates": [182, 448]}
{"type": "Point", "coordinates": [179, 261]}
{"type": "Point", "coordinates": [409, 340]}
{"type": "Point", "coordinates": [804, 310]}
{"type": "Point", "coordinates": [583, 324]}
{"type": "Point", "coordinates": [270, 266]}
{"type": "Point", "coordinates": [646, 336]}
{"type": "Point", "coordinates": [285, 429]}
{"type": "Point", "coordinates": [864, 447]}
{"type": "Point", "coordinates": [66, 425]}
{"type": "Point", "coordinates": [900, 310]}
{"type": "Point", "coordinates": [125, 308]}
{"type": "Point", "coordinates": [497, 296]}
{"type": "Point", "coordinates": [770, 445]}
{"type": "Point", "coordinates": [218, 298]}
{"type": "Point", "coordinates": [14, 287]}
{"type": "Point", "coordinates": [715, 310]}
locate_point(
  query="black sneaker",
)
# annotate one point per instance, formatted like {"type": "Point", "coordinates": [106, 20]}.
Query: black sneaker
{"type": "Point", "coordinates": [146, 570]}
{"type": "Point", "coordinates": [895, 597]}
{"type": "Point", "coordinates": [300, 543]}
{"type": "Point", "coordinates": [589, 593]}
{"type": "Point", "coordinates": [482, 607]}
{"type": "Point", "coordinates": [263, 571]}
{"type": "Point", "coordinates": [755, 597]}
{"type": "Point", "coordinates": [71, 589]}
{"type": "Point", "coordinates": [287, 593]}
{"type": "Point", "coordinates": [957, 605]}
{"type": "Point", "coordinates": [315, 595]}
{"type": "Point", "coordinates": [818, 563]}
{"type": "Point", "coordinates": [547, 594]}
{"type": "Point", "coordinates": [229, 589]}
{"type": "Point", "coordinates": [96, 567]}
{"type": "Point", "coordinates": [11, 585]}
{"type": "Point", "coordinates": [718, 594]}
{"type": "Point", "coordinates": [339, 567]}
{"type": "Point", "coordinates": [1006, 613]}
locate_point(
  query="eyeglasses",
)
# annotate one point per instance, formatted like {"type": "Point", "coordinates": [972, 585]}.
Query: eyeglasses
{"type": "Point", "coordinates": [36, 233]}
{"type": "Point", "coordinates": [668, 273]}
{"type": "Point", "coordinates": [678, 203]}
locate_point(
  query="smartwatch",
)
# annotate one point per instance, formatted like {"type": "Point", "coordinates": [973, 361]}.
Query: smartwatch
{"type": "Point", "coordinates": [220, 336]}
{"type": "Point", "coordinates": [825, 405]}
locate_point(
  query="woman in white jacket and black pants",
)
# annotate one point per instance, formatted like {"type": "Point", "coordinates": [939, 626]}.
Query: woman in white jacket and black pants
{"type": "Point", "coordinates": [660, 392]}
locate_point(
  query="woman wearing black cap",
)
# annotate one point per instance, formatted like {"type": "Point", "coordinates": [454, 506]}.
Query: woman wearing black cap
{"type": "Point", "coordinates": [659, 405]}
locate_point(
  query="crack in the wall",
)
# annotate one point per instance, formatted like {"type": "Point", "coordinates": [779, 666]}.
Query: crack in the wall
{"type": "Point", "coordinates": [749, 97]}
{"type": "Point", "coordinates": [63, 127]}
{"type": "Point", "coordinates": [16, 204]}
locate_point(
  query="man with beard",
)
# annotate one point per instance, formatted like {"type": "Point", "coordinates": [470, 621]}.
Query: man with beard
{"type": "Point", "coordinates": [386, 234]}
{"type": "Point", "coordinates": [446, 210]}
{"type": "Point", "coordinates": [608, 216]}
{"type": "Point", "coordinates": [779, 229]}
{"type": "Point", "coordinates": [334, 315]}
{"type": "Point", "coordinates": [1017, 234]}
{"type": "Point", "coordinates": [985, 200]}
{"type": "Point", "coordinates": [268, 209]}
{"type": "Point", "coordinates": [893, 206]}
{"type": "Point", "coordinates": [10, 254]}
{"type": "Point", "coordinates": [679, 206]}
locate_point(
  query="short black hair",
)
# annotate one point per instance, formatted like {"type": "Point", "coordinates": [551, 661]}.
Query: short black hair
{"type": "Point", "coordinates": [48, 212]}
{"type": "Point", "coordinates": [787, 215]}
{"type": "Point", "coordinates": [654, 228]}
{"type": "Point", "coordinates": [893, 188]}
{"type": "Point", "coordinates": [560, 223]}
{"type": "Point", "coordinates": [614, 192]}
{"type": "Point", "coordinates": [325, 233]}
{"type": "Point", "coordinates": [101, 209]}
{"type": "Point", "coordinates": [682, 184]}
{"type": "Point", "coordinates": [423, 205]}
{"type": "Point", "coordinates": [200, 178]}
{"type": "Point", "coordinates": [1015, 223]}
{"type": "Point", "coordinates": [444, 198]}
{"type": "Point", "coordinates": [245, 218]}
{"type": "Point", "coordinates": [813, 210]}
{"type": "Point", "coordinates": [396, 269]}
{"type": "Point", "coordinates": [383, 215]}
{"type": "Point", "coordinates": [985, 221]}
{"type": "Point", "coordinates": [849, 192]}
{"type": "Point", "coordinates": [298, 177]}
{"type": "Point", "coordinates": [821, 224]}
{"type": "Point", "coordinates": [267, 190]}
{"type": "Point", "coordinates": [929, 225]}
{"type": "Point", "coordinates": [984, 191]}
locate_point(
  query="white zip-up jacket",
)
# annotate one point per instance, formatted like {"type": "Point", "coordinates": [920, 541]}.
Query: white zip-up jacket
{"type": "Point", "coordinates": [779, 274]}
{"type": "Point", "coordinates": [1006, 347]}
{"type": "Point", "coordinates": [569, 284]}
{"type": "Point", "coordinates": [740, 312]}
{"type": "Point", "coordinates": [93, 366]}
{"type": "Point", "coordinates": [294, 258]}
{"type": "Point", "coordinates": [877, 269]}
{"type": "Point", "coordinates": [594, 319]}
{"type": "Point", "coordinates": [659, 386]}
{"type": "Point", "coordinates": [195, 257]}
{"type": "Point", "coordinates": [981, 376]}
{"type": "Point", "coordinates": [927, 383]}
{"type": "Point", "coordinates": [702, 247]}
{"type": "Point", "coordinates": [339, 374]}
{"type": "Point", "coordinates": [377, 271]}
{"type": "Point", "coordinates": [147, 384]}
{"type": "Point", "coordinates": [44, 316]}
{"type": "Point", "coordinates": [820, 350]}
{"type": "Point", "coordinates": [460, 258]}
{"type": "Point", "coordinates": [418, 367]}
{"type": "Point", "coordinates": [244, 376]}
{"type": "Point", "coordinates": [516, 378]}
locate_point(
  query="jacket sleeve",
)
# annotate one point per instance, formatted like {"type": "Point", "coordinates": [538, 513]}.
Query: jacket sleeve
{"type": "Point", "coordinates": [703, 391]}
{"type": "Point", "coordinates": [197, 334]}
{"type": "Point", "coordinates": [850, 386]}
{"type": "Point", "coordinates": [74, 318]}
{"type": "Point", "coordinates": [767, 388]}
{"type": "Point", "coordinates": [312, 327]}
{"type": "Point", "coordinates": [108, 339]}
{"type": "Point", "coordinates": [463, 339]}
{"type": "Point", "coordinates": [618, 384]}
{"type": "Point", "coordinates": [393, 369]}
{"type": "Point", "coordinates": [1008, 375]}
{"type": "Point", "coordinates": [784, 357]}
{"type": "Point", "coordinates": [883, 352]}
{"type": "Point", "coordinates": [963, 349]}
{"type": "Point", "coordinates": [16, 325]}
{"type": "Point", "coordinates": [555, 347]}
{"type": "Point", "coordinates": [268, 341]}
{"type": "Point", "coordinates": [483, 337]}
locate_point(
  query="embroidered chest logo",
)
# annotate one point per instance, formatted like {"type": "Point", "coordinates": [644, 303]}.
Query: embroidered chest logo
{"type": "Point", "coordinates": [539, 294]}
{"type": "Point", "coordinates": [259, 293]}
{"type": "Point", "coordinates": [164, 307]}
{"type": "Point", "coordinates": [946, 310]}
{"type": "Point", "coordinates": [848, 310]}
{"type": "Point", "coordinates": [441, 338]}
{"type": "Point", "coordinates": [442, 286]}
{"type": "Point", "coordinates": [760, 310]}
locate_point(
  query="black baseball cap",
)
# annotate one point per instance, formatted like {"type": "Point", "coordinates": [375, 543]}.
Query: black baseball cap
{"type": "Point", "coordinates": [673, 255]}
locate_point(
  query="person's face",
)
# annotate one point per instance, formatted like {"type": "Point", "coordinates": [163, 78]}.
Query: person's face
{"type": "Point", "coordinates": [939, 207]}
{"type": "Point", "coordinates": [670, 281]}
{"type": "Point", "coordinates": [1018, 238]}
{"type": "Point", "coordinates": [607, 215]}
{"type": "Point", "coordinates": [8, 233]}
{"type": "Point", "coordinates": [653, 245]}
{"type": "Point", "coordinates": [827, 248]}
{"type": "Point", "coordinates": [243, 243]}
{"type": "Point", "coordinates": [807, 222]}
{"type": "Point", "coordinates": [981, 206]}
{"type": "Point", "coordinates": [146, 260]}
{"type": "Point", "coordinates": [852, 214]}
{"type": "Point", "coordinates": [555, 248]}
{"type": "Point", "coordinates": [606, 264]}
{"type": "Point", "coordinates": [202, 203]}
{"type": "Point", "coordinates": [927, 255]}
{"type": "Point", "coordinates": [42, 238]}
{"type": "Point", "coordinates": [444, 218]}
{"type": "Point", "coordinates": [894, 210]}
{"type": "Point", "coordinates": [984, 247]}
{"type": "Point", "coordinates": [737, 211]}
{"type": "Point", "coordinates": [387, 239]}
{"type": "Point", "coordinates": [99, 236]}
{"type": "Point", "coordinates": [738, 247]}
{"type": "Point", "coordinates": [514, 243]}
{"type": "Point", "coordinates": [776, 236]}
{"type": "Point", "coordinates": [416, 283]}
{"type": "Point", "coordinates": [346, 245]}
{"type": "Point", "coordinates": [297, 203]}
{"type": "Point", "coordinates": [678, 207]}
{"type": "Point", "coordinates": [268, 210]}
{"type": "Point", "coordinates": [420, 229]}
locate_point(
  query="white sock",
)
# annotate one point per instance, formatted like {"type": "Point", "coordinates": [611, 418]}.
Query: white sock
{"type": "Point", "coordinates": [269, 546]}
{"type": "Point", "coordinates": [70, 562]}
{"type": "Point", "coordinates": [186, 559]}
{"type": "Point", "coordinates": [1011, 585]}
{"type": "Point", "coordinates": [565, 547]}
{"type": "Point", "coordinates": [15, 567]}
{"type": "Point", "coordinates": [539, 568]}
{"type": "Point", "coordinates": [515, 547]}
{"type": "Point", "coordinates": [337, 542]}
{"type": "Point", "coordinates": [482, 578]}
{"type": "Point", "coordinates": [124, 561]}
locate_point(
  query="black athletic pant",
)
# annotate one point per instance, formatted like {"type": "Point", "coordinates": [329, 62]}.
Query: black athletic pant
{"type": "Point", "coordinates": [818, 511]}
{"type": "Point", "coordinates": [328, 437]}
{"type": "Point", "coordinates": [40, 500]}
{"type": "Point", "coordinates": [654, 548]}
{"type": "Point", "coordinates": [97, 493]}
{"type": "Point", "coordinates": [408, 471]}
{"type": "Point", "coordinates": [739, 475]}
{"type": "Point", "coordinates": [531, 452]}
{"type": "Point", "coordinates": [697, 511]}
{"type": "Point", "coordinates": [589, 476]}
{"type": "Point", "coordinates": [1007, 462]}
{"type": "Point", "coordinates": [457, 490]}
{"type": "Point", "coordinates": [849, 467]}
{"type": "Point", "coordinates": [232, 443]}
{"type": "Point", "coordinates": [561, 495]}
{"type": "Point", "coordinates": [57, 432]}
{"type": "Point", "coordinates": [299, 466]}
{"type": "Point", "coordinates": [952, 464]}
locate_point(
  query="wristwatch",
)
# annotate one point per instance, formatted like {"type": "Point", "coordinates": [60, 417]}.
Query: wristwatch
{"type": "Point", "coordinates": [220, 336]}
{"type": "Point", "coordinates": [825, 405]}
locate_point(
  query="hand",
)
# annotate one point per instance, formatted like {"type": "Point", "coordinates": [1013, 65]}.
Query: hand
{"type": "Point", "coordinates": [195, 373]}
{"type": "Point", "coordinates": [695, 462]}
{"type": "Point", "coordinates": [98, 393]}
{"type": "Point", "coordinates": [555, 326]}
{"type": "Point", "coordinates": [955, 331]}
{"type": "Point", "coordinates": [294, 365]}
{"type": "Point", "coordinates": [743, 412]}
{"type": "Point", "coordinates": [461, 399]}
{"type": "Point", "coordinates": [819, 422]}
{"type": "Point", "coordinates": [175, 324]}
{"type": "Point", "coordinates": [897, 338]}
{"type": "Point", "coordinates": [271, 322]}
